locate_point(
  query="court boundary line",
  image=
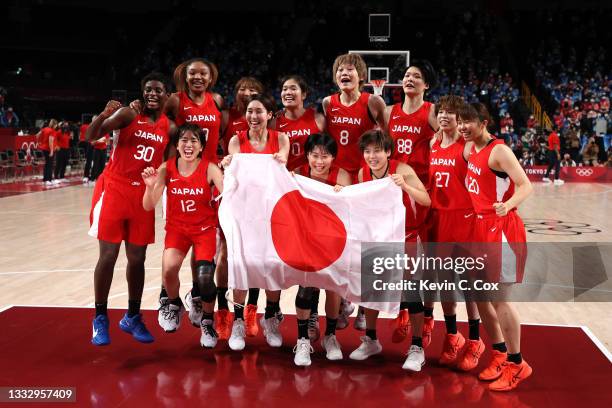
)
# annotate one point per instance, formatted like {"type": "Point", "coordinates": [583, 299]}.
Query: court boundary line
{"type": "Point", "coordinates": [594, 339]}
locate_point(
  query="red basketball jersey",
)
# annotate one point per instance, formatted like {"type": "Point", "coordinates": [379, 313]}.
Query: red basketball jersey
{"type": "Point", "coordinates": [43, 140]}
{"type": "Point", "coordinates": [411, 134]}
{"type": "Point", "coordinates": [188, 205]}
{"type": "Point", "coordinates": [236, 123]}
{"type": "Point", "coordinates": [139, 145]}
{"type": "Point", "coordinates": [332, 177]}
{"type": "Point", "coordinates": [206, 116]}
{"type": "Point", "coordinates": [411, 222]}
{"type": "Point", "coordinates": [486, 186]}
{"type": "Point", "coordinates": [346, 124]}
{"type": "Point", "coordinates": [271, 144]}
{"type": "Point", "coordinates": [63, 139]}
{"type": "Point", "coordinates": [447, 170]}
{"type": "Point", "coordinates": [82, 131]}
{"type": "Point", "coordinates": [298, 131]}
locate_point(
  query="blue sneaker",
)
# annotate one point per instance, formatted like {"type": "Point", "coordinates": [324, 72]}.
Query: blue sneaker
{"type": "Point", "coordinates": [136, 327]}
{"type": "Point", "coordinates": [100, 336]}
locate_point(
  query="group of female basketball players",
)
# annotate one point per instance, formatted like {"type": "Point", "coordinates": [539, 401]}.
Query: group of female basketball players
{"type": "Point", "coordinates": [459, 184]}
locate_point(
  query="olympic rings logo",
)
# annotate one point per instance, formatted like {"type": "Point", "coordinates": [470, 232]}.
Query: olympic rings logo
{"type": "Point", "coordinates": [584, 172]}
{"type": "Point", "coordinates": [558, 227]}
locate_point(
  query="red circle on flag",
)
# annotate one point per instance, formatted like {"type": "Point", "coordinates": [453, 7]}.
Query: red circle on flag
{"type": "Point", "coordinates": [307, 234]}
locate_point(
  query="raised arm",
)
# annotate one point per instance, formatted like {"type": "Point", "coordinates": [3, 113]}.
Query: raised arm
{"type": "Point", "coordinates": [112, 117]}
{"type": "Point", "coordinates": [155, 181]}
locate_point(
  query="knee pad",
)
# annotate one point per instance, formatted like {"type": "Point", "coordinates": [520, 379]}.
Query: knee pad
{"type": "Point", "coordinates": [206, 280]}
{"type": "Point", "coordinates": [303, 300]}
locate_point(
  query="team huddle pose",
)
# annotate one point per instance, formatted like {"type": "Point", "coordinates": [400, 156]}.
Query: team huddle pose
{"type": "Point", "coordinates": [459, 184]}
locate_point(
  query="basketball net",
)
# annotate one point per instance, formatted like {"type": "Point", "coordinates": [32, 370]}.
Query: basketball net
{"type": "Point", "coordinates": [378, 85]}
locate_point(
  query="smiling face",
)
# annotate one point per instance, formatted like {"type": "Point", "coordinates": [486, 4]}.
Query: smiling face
{"type": "Point", "coordinates": [257, 116]}
{"type": "Point", "coordinates": [447, 120]}
{"type": "Point", "coordinates": [320, 161]}
{"type": "Point", "coordinates": [291, 94]}
{"type": "Point", "coordinates": [413, 82]}
{"type": "Point", "coordinates": [189, 146]}
{"type": "Point", "coordinates": [154, 95]}
{"type": "Point", "coordinates": [347, 77]}
{"type": "Point", "coordinates": [470, 129]}
{"type": "Point", "coordinates": [376, 157]}
{"type": "Point", "coordinates": [198, 76]}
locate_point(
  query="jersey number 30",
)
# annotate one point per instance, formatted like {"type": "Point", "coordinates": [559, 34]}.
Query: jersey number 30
{"type": "Point", "coordinates": [144, 153]}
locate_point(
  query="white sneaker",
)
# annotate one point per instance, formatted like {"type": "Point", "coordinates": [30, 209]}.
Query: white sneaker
{"type": "Point", "coordinates": [236, 340]}
{"type": "Point", "coordinates": [48, 184]}
{"type": "Point", "coordinates": [367, 348]}
{"type": "Point", "coordinates": [332, 347]}
{"type": "Point", "coordinates": [270, 330]}
{"type": "Point", "coordinates": [558, 182]}
{"type": "Point", "coordinates": [194, 306]}
{"type": "Point", "coordinates": [546, 179]}
{"type": "Point", "coordinates": [415, 359]}
{"type": "Point", "coordinates": [360, 321]}
{"type": "Point", "coordinates": [314, 331]}
{"type": "Point", "coordinates": [346, 309]}
{"type": "Point", "coordinates": [302, 351]}
{"type": "Point", "coordinates": [169, 316]}
{"type": "Point", "coordinates": [209, 336]}
{"type": "Point", "coordinates": [85, 180]}
{"type": "Point", "coordinates": [56, 181]}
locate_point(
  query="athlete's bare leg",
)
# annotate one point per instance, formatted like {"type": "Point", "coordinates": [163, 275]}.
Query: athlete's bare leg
{"type": "Point", "coordinates": [509, 322]}
{"type": "Point", "coordinates": [135, 270]}
{"type": "Point", "coordinates": [172, 259]}
{"type": "Point", "coordinates": [490, 322]}
{"type": "Point", "coordinates": [103, 274]}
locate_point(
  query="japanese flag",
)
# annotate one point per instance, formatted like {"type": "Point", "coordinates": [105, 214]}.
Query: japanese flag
{"type": "Point", "coordinates": [284, 230]}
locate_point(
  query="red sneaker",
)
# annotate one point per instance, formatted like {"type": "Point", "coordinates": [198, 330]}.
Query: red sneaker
{"type": "Point", "coordinates": [453, 343]}
{"type": "Point", "coordinates": [401, 326]}
{"type": "Point", "coordinates": [428, 325]}
{"type": "Point", "coordinates": [223, 324]}
{"type": "Point", "coordinates": [250, 320]}
{"type": "Point", "coordinates": [471, 356]}
{"type": "Point", "coordinates": [494, 370]}
{"type": "Point", "coordinates": [512, 374]}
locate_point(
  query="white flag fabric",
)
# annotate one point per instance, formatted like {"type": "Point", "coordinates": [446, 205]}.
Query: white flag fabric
{"type": "Point", "coordinates": [284, 230]}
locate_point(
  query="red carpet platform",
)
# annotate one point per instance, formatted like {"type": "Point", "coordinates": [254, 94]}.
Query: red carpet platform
{"type": "Point", "coordinates": [49, 347]}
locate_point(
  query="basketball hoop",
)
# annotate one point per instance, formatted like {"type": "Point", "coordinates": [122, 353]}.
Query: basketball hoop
{"type": "Point", "coordinates": [378, 85]}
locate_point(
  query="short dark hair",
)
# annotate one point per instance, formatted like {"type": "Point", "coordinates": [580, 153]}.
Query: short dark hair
{"type": "Point", "coordinates": [299, 80]}
{"type": "Point", "coordinates": [427, 72]}
{"type": "Point", "coordinates": [323, 140]}
{"type": "Point", "coordinates": [266, 100]}
{"type": "Point", "coordinates": [156, 76]}
{"type": "Point", "coordinates": [193, 128]}
{"type": "Point", "coordinates": [473, 111]}
{"type": "Point", "coordinates": [378, 138]}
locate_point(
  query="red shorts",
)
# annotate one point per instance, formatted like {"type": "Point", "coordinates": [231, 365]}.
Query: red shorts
{"type": "Point", "coordinates": [204, 242]}
{"type": "Point", "coordinates": [503, 239]}
{"type": "Point", "coordinates": [117, 213]}
{"type": "Point", "coordinates": [451, 225]}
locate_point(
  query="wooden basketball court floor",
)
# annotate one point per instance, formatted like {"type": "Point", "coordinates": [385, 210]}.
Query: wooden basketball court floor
{"type": "Point", "coordinates": [47, 258]}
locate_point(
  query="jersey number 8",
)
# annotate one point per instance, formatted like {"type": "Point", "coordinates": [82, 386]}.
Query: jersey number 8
{"type": "Point", "coordinates": [344, 137]}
